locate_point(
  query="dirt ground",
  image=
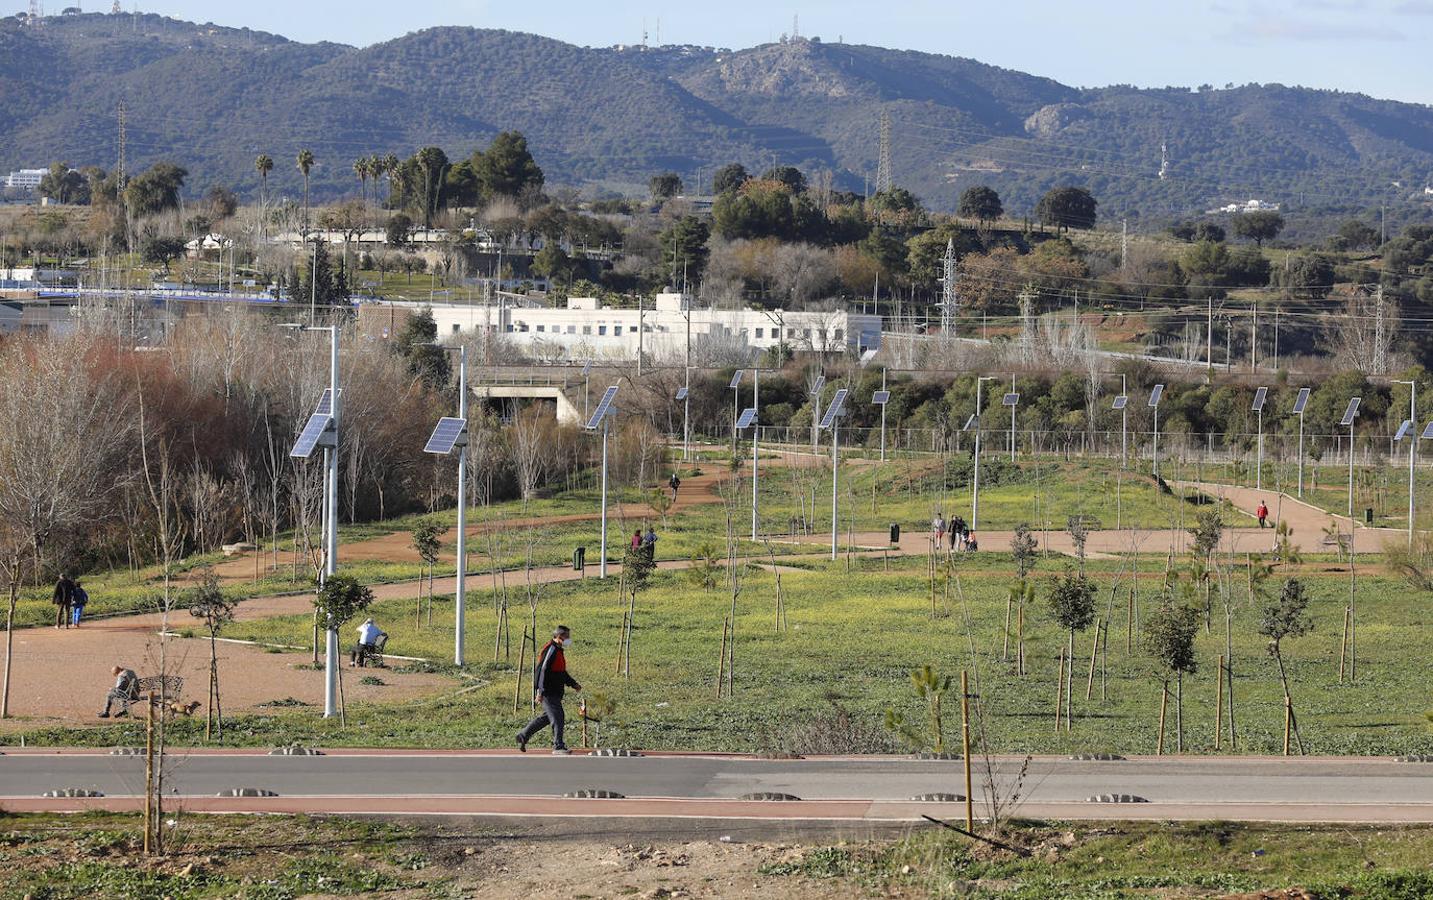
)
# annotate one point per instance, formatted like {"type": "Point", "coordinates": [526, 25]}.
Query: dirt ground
{"type": "Point", "coordinates": [61, 677]}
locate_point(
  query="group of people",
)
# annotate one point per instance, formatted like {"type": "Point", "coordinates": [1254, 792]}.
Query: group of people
{"type": "Point", "coordinates": [70, 599]}
{"type": "Point", "coordinates": [957, 532]}
{"type": "Point", "coordinates": [644, 543]}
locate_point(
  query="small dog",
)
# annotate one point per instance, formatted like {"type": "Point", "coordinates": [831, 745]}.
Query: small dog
{"type": "Point", "coordinates": [184, 709]}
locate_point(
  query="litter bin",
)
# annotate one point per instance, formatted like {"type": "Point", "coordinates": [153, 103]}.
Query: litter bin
{"type": "Point", "coordinates": [895, 533]}
{"type": "Point", "coordinates": [579, 559]}
{"type": "Point", "coordinates": [1368, 515]}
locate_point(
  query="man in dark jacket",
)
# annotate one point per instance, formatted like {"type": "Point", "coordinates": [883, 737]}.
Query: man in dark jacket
{"type": "Point", "coordinates": [63, 598]}
{"type": "Point", "coordinates": [549, 681]}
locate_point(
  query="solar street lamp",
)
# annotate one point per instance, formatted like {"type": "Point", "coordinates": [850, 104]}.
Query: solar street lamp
{"type": "Point", "coordinates": [1154, 397]}
{"type": "Point", "coordinates": [734, 387]}
{"type": "Point", "coordinates": [831, 421]}
{"type": "Point", "coordinates": [1348, 417]}
{"type": "Point", "coordinates": [755, 440]}
{"type": "Point", "coordinates": [586, 381]}
{"type": "Point", "coordinates": [975, 479]}
{"type": "Point", "coordinates": [449, 434]}
{"type": "Point", "coordinates": [1011, 400]}
{"type": "Point", "coordinates": [599, 419]}
{"type": "Point", "coordinates": [882, 398]}
{"type": "Point", "coordinates": [1122, 405]}
{"type": "Point", "coordinates": [1260, 396]}
{"type": "Point", "coordinates": [1406, 431]}
{"type": "Point", "coordinates": [748, 420]}
{"type": "Point", "coordinates": [815, 392]}
{"type": "Point", "coordinates": [1300, 403]}
{"type": "Point", "coordinates": [322, 431]}
{"type": "Point", "coordinates": [684, 397]}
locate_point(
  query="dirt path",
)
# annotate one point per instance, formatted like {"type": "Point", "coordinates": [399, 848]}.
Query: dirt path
{"type": "Point", "coordinates": [1307, 522]}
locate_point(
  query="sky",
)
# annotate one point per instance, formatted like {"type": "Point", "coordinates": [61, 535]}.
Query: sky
{"type": "Point", "coordinates": [1378, 47]}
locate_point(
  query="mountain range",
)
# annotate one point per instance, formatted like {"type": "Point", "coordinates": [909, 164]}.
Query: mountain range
{"type": "Point", "coordinates": [211, 98]}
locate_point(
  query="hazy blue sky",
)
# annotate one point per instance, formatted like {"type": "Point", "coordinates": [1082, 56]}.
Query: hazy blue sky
{"type": "Point", "coordinates": [1380, 47]}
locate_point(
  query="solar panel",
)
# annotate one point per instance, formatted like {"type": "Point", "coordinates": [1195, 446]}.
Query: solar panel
{"type": "Point", "coordinates": [881, 398]}
{"type": "Point", "coordinates": [1155, 394]}
{"type": "Point", "coordinates": [325, 402]}
{"type": "Point", "coordinates": [1121, 402]}
{"type": "Point", "coordinates": [968, 422]}
{"type": "Point", "coordinates": [736, 379]}
{"type": "Point", "coordinates": [587, 368]}
{"type": "Point", "coordinates": [445, 436]}
{"type": "Point", "coordinates": [1259, 396]}
{"type": "Point", "coordinates": [1352, 412]}
{"type": "Point", "coordinates": [309, 437]}
{"type": "Point", "coordinates": [747, 416]}
{"type": "Point", "coordinates": [819, 385]}
{"type": "Point", "coordinates": [681, 393]}
{"type": "Point", "coordinates": [1428, 432]}
{"type": "Point", "coordinates": [1011, 399]}
{"type": "Point", "coordinates": [1302, 401]}
{"type": "Point", "coordinates": [1403, 430]}
{"type": "Point", "coordinates": [602, 409]}
{"type": "Point", "coordinates": [834, 410]}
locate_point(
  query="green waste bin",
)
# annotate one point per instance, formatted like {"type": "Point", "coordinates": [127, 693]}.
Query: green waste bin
{"type": "Point", "coordinates": [895, 533]}
{"type": "Point", "coordinates": [1368, 515]}
{"type": "Point", "coordinates": [579, 559]}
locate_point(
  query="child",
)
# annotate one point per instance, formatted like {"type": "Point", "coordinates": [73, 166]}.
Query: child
{"type": "Point", "coordinates": [77, 601]}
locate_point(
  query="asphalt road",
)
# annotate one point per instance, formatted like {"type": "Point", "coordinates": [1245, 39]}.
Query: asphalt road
{"type": "Point", "coordinates": [1255, 788]}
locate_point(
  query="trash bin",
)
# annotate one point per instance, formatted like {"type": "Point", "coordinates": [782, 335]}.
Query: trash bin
{"type": "Point", "coordinates": [1368, 515]}
{"type": "Point", "coordinates": [895, 533]}
{"type": "Point", "coordinates": [579, 559]}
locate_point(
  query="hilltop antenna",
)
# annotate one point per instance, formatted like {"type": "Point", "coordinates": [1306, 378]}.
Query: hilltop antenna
{"type": "Point", "coordinates": [1163, 160]}
{"type": "Point", "coordinates": [116, 9]}
{"type": "Point", "coordinates": [657, 37]}
{"type": "Point", "coordinates": [883, 169]}
{"type": "Point", "coordinates": [37, 12]}
{"type": "Point", "coordinates": [796, 26]}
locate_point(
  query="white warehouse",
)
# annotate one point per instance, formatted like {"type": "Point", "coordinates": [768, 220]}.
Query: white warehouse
{"type": "Point", "coordinates": [585, 329]}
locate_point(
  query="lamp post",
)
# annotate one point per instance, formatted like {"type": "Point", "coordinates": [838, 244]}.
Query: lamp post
{"type": "Point", "coordinates": [600, 419]}
{"type": "Point", "coordinates": [735, 387]}
{"type": "Point", "coordinates": [816, 388]}
{"type": "Point", "coordinates": [1012, 400]}
{"type": "Point", "coordinates": [1121, 403]}
{"type": "Point", "coordinates": [1349, 416]}
{"type": "Point", "coordinates": [975, 479]}
{"type": "Point", "coordinates": [884, 403]}
{"type": "Point", "coordinates": [684, 395]}
{"type": "Point", "coordinates": [450, 434]}
{"type": "Point", "coordinates": [330, 515]}
{"type": "Point", "coordinates": [1260, 396]}
{"type": "Point", "coordinates": [1154, 398]}
{"type": "Point", "coordinates": [832, 421]}
{"type": "Point", "coordinates": [1299, 403]}
{"type": "Point", "coordinates": [1407, 430]}
{"type": "Point", "coordinates": [755, 442]}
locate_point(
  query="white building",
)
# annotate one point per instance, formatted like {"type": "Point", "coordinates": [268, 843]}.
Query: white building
{"type": "Point", "coordinates": [24, 179]}
{"type": "Point", "coordinates": [585, 329]}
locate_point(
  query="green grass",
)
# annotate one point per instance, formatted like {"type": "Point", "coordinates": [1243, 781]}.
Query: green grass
{"type": "Point", "coordinates": [853, 639]}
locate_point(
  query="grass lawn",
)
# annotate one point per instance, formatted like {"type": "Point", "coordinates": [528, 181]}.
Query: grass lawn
{"type": "Point", "coordinates": [853, 637]}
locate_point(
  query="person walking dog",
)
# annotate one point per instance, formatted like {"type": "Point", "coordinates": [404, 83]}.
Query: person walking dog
{"type": "Point", "coordinates": [549, 681]}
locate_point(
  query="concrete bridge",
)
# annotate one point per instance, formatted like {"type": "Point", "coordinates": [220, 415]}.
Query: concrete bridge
{"type": "Point", "coordinates": [545, 388]}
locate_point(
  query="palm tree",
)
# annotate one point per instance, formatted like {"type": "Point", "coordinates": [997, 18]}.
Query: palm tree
{"type": "Point", "coordinates": [305, 163]}
{"type": "Point", "coordinates": [390, 170]}
{"type": "Point", "coordinates": [263, 164]}
{"type": "Point", "coordinates": [360, 168]}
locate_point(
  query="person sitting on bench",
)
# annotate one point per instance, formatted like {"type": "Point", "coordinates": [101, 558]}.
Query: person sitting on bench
{"type": "Point", "coordinates": [369, 635]}
{"type": "Point", "coordinates": [125, 691]}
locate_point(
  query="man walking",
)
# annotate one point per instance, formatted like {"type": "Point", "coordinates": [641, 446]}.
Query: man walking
{"type": "Point", "coordinates": [125, 691]}
{"type": "Point", "coordinates": [63, 598]}
{"type": "Point", "coordinates": [674, 482]}
{"type": "Point", "coordinates": [549, 681]}
{"type": "Point", "coordinates": [1262, 511]}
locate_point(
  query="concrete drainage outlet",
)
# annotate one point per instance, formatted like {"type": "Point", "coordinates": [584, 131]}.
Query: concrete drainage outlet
{"type": "Point", "coordinates": [72, 792]}
{"type": "Point", "coordinates": [778, 755]}
{"type": "Point", "coordinates": [295, 751]}
{"type": "Point", "coordinates": [768, 795]}
{"type": "Point", "coordinates": [594, 794]}
{"type": "Point", "coordinates": [613, 751]}
{"type": "Point", "coordinates": [127, 751]}
{"type": "Point", "coordinates": [1097, 757]}
{"type": "Point", "coordinates": [940, 756]}
{"type": "Point", "coordinates": [1116, 798]}
{"type": "Point", "coordinates": [1417, 758]}
{"type": "Point", "coordinates": [247, 792]}
{"type": "Point", "coordinates": [938, 798]}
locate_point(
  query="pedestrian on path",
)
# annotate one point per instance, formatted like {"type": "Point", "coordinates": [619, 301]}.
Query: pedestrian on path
{"type": "Point", "coordinates": [649, 544]}
{"type": "Point", "coordinates": [79, 598]}
{"type": "Point", "coordinates": [937, 529]}
{"type": "Point", "coordinates": [635, 545]}
{"type": "Point", "coordinates": [63, 598]}
{"type": "Point", "coordinates": [1262, 511]}
{"type": "Point", "coordinates": [958, 531]}
{"type": "Point", "coordinates": [674, 482]}
{"type": "Point", "coordinates": [549, 681]}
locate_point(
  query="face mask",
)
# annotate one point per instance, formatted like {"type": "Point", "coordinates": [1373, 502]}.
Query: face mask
{"type": "Point", "coordinates": [567, 643]}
